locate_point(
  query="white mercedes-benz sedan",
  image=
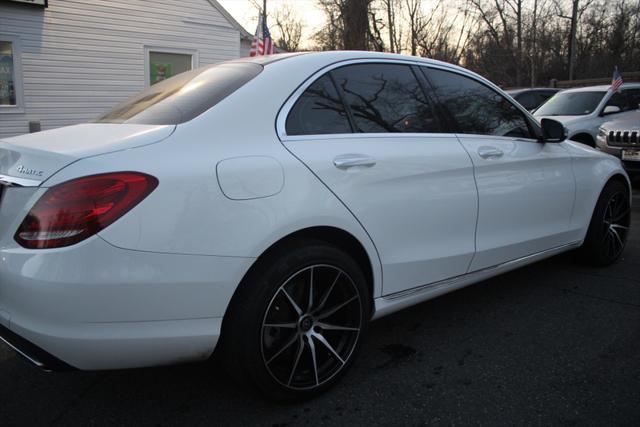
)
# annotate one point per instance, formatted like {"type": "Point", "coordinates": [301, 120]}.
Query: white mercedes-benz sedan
{"type": "Point", "coordinates": [271, 208]}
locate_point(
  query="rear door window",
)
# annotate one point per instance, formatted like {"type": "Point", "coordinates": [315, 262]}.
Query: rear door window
{"type": "Point", "coordinates": [385, 98]}
{"type": "Point", "coordinates": [476, 108]}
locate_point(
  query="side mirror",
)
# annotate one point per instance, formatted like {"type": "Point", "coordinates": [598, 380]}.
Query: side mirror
{"type": "Point", "coordinates": [553, 131]}
{"type": "Point", "coordinates": [611, 109]}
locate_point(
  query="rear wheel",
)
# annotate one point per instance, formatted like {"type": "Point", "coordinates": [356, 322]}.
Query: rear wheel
{"type": "Point", "coordinates": [609, 227]}
{"type": "Point", "coordinates": [298, 321]}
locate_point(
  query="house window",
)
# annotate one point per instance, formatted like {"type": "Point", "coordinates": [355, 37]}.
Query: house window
{"type": "Point", "coordinates": [163, 64]}
{"type": "Point", "coordinates": [8, 84]}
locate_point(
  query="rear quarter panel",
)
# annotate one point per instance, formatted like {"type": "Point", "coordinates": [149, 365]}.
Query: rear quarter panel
{"type": "Point", "coordinates": [190, 214]}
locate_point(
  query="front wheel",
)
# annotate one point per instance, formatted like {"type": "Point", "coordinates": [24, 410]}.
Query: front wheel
{"type": "Point", "coordinates": [298, 321]}
{"type": "Point", "coordinates": [609, 227]}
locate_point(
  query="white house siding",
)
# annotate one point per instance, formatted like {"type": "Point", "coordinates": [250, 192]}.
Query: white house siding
{"type": "Point", "coordinates": [81, 57]}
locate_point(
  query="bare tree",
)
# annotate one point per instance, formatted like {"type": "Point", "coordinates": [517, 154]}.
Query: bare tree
{"type": "Point", "coordinates": [416, 22]}
{"type": "Point", "coordinates": [355, 13]}
{"type": "Point", "coordinates": [512, 42]}
{"type": "Point", "coordinates": [289, 28]}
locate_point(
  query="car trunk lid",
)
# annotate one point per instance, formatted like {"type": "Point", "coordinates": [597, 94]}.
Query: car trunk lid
{"type": "Point", "coordinates": [29, 160]}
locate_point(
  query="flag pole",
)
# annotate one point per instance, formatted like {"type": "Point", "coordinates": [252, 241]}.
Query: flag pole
{"type": "Point", "coordinates": [264, 10]}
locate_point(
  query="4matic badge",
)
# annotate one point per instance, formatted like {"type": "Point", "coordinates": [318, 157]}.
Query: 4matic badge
{"type": "Point", "coordinates": [26, 171]}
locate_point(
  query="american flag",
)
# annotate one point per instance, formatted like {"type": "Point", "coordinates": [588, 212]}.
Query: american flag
{"type": "Point", "coordinates": [616, 81]}
{"type": "Point", "coordinates": [262, 43]}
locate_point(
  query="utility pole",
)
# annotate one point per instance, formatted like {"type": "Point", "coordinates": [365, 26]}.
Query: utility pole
{"type": "Point", "coordinates": [572, 40]}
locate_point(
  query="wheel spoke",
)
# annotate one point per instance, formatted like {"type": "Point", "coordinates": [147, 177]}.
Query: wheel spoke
{"type": "Point", "coordinates": [310, 304]}
{"type": "Point", "coordinates": [622, 227]}
{"type": "Point", "coordinates": [286, 346]}
{"type": "Point", "coordinates": [336, 308]}
{"type": "Point", "coordinates": [611, 244]}
{"type": "Point", "coordinates": [330, 327]}
{"type": "Point", "coordinates": [620, 216]}
{"type": "Point", "coordinates": [295, 363]}
{"type": "Point", "coordinates": [312, 347]}
{"type": "Point", "coordinates": [608, 213]}
{"type": "Point", "coordinates": [280, 325]}
{"type": "Point", "coordinates": [612, 247]}
{"type": "Point", "coordinates": [326, 295]}
{"type": "Point", "coordinates": [329, 347]}
{"type": "Point", "coordinates": [617, 236]}
{"type": "Point", "coordinates": [293, 303]}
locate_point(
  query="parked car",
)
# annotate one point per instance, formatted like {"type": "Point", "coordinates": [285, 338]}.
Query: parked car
{"type": "Point", "coordinates": [532, 98]}
{"type": "Point", "coordinates": [273, 207]}
{"type": "Point", "coordinates": [583, 110]}
{"type": "Point", "coordinates": [621, 138]}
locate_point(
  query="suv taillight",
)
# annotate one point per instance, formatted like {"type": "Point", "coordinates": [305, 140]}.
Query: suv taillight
{"type": "Point", "coordinates": [75, 210]}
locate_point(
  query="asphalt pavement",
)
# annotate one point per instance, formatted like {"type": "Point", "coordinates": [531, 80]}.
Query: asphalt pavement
{"type": "Point", "coordinates": [554, 343]}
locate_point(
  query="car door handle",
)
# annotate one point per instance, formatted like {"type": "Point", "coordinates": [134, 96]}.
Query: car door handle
{"type": "Point", "coordinates": [345, 161]}
{"type": "Point", "coordinates": [490, 152]}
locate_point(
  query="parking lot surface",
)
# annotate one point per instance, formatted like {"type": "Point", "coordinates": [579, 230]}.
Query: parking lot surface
{"type": "Point", "coordinates": [553, 343]}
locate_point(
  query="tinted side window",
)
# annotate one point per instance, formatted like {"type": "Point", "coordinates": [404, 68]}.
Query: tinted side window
{"type": "Point", "coordinates": [626, 100]}
{"type": "Point", "coordinates": [385, 98]}
{"type": "Point", "coordinates": [634, 98]}
{"type": "Point", "coordinates": [476, 108]}
{"type": "Point", "coordinates": [618, 99]}
{"type": "Point", "coordinates": [528, 100]}
{"type": "Point", "coordinates": [318, 111]}
{"type": "Point", "coordinates": [546, 95]}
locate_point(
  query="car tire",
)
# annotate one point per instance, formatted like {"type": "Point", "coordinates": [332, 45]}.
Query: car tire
{"type": "Point", "coordinates": [609, 226]}
{"type": "Point", "coordinates": [296, 322]}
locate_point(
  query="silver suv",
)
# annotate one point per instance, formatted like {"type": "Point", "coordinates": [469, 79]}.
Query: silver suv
{"type": "Point", "coordinates": [622, 139]}
{"type": "Point", "coordinates": [583, 110]}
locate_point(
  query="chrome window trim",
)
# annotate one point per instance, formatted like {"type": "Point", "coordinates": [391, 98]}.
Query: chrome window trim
{"type": "Point", "coordinates": [288, 105]}
{"type": "Point", "coordinates": [376, 135]}
{"type": "Point", "coordinates": [14, 181]}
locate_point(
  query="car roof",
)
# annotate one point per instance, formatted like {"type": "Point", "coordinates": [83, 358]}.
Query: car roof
{"type": "Point", "coordinates": [319, 60]}
{"type": "Point", "coordinates": [346, 55]}
{"type": "Point", "coordinates": [532, 89]}
{"type": "Point", "coordinates": [603, 88]}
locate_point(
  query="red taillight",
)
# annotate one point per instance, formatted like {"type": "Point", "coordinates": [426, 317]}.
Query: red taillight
{"type": "Point", "coordinates": [74, 210]}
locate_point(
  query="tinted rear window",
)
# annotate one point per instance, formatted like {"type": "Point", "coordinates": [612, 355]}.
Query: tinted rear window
{"type": "Point", "coordinates": [183, 97]}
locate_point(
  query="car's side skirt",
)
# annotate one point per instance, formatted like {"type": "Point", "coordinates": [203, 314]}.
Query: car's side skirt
{"type": "Point", "coordinates": [397, 301]}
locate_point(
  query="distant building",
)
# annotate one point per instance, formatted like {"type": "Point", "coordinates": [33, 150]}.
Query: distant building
{"type": "Point", "coordinates": [67, 61]}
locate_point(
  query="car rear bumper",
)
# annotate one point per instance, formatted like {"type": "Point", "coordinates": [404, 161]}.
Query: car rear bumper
{"type": "Point", "coordinates": [32, 352]}
{"type": "Point", "coordinates": [95, 306]}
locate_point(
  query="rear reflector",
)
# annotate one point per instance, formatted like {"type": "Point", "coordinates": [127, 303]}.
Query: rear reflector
{"type": "Point", "coordinates": [75, 210]}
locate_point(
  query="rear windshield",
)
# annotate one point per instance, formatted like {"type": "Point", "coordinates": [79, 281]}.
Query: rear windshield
{"type": "Point", "coordinates": [183, 97]}
{"type": "Point", "coordinates": [570, 104]}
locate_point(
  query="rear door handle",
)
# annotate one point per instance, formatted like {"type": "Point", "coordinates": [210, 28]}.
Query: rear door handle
{"type": "Point", "coordinates": [490, 152]}
{"type": "Point", "coordinates": [345, 161]}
